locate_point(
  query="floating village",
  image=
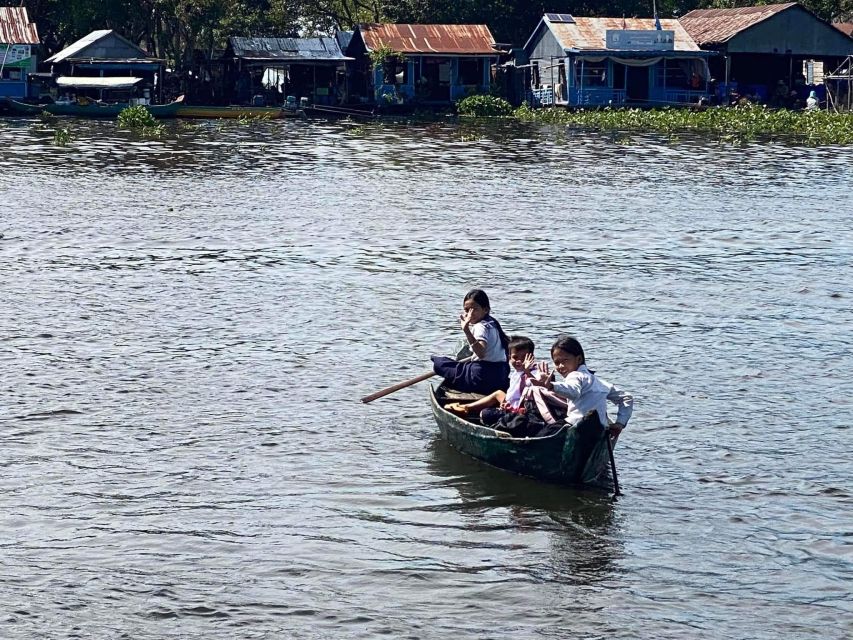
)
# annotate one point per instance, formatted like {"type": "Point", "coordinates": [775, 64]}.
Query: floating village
{"type": "Point", "coordinates": [779, 55]}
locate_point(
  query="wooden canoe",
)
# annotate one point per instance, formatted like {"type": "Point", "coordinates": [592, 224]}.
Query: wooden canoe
{"type": "Point", "coordinates": [573, 455]}
{"type": "Point", "coordinates": [91, 110]}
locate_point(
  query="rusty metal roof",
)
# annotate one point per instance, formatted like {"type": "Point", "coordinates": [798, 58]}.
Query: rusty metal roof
{"type": "Point", "coordinates": [16, 28]}
{"type": "Point", "coordinates": [844, 27]}
{"type": "Point", "coordinates": [453, 39]}
{"type": "Point", "coordinates": [715, 26]}
{"type": "Point", "coordinates": [324, 49]}
{"type": "Point", "coordinates": [590, 34]}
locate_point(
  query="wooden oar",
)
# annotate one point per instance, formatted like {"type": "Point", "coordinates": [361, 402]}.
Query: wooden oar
{"type": "Point", "coordinates": [397, 387]}
{"type": "Point", "coordinates": [402, 385]}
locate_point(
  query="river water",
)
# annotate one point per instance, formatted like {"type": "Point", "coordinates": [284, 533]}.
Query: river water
{"type": "Point", "coordinates": [188, 323]}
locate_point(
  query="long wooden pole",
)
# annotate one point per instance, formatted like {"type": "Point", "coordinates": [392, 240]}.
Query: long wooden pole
{"type": "Point", "coordinates": [616, 491]}
{"type": "Point", "coordinates": [397, 387]}
{"type": "Point", "coordinates": [402, 385]}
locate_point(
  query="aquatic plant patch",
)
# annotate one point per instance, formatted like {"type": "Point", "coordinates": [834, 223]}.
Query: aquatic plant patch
{"type": "Point", "coordinates": [741, 123]}
{"type": "Point", "coordinates": [482, 106]}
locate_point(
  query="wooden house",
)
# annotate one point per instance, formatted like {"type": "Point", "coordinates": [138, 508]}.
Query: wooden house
{"type": "Point", "coordinates": [18, 42]}
{"type": "Point", "coordinates": [579, 62]}
{"type": "Point", "coordinates": [770, 50]}
{"type": "Point", "coordinates": [105, 65]}
{"type": "Point", "coordinates": [270, 69]}
{"type": "Point", "coordinates": [427, 64]}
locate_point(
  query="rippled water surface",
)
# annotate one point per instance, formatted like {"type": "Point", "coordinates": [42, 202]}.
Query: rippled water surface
{"type": "Point", "coordinates": [188, 322]}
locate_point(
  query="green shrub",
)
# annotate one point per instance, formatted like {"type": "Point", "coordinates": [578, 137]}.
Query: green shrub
{"type": "Point", "coordinates": [136, 117]}
{"type": "Point", "coordinates": [484, 106]}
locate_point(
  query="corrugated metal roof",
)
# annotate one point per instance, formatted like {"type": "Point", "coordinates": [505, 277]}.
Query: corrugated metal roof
{"type": "Point", "coordinates": [16, 28]}
{"type": "Point", "coordinates": [118, 46]}
{"type": "Point", "coordinates": [715, 26]}
{"type": "Point", "coordinates": [325, 49]}
{"type": "Point", "coordinates": [454, 39]}
{"type": "Point", "coordinates": [343, 38]}
{"type": "Point", "coordinates": [591, 33]}
{"type": "Point", "coordinates": [78, 46]}
{"type": "Point", "coordinates": [97, 83]}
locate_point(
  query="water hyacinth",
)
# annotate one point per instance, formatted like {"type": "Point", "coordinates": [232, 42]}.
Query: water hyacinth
{"type": "Point", "coordinates": [139, 119]}
{"type": "Point", "coordinates": [484, 106]}
{"type": "Point", "coordinates": [741, 123]}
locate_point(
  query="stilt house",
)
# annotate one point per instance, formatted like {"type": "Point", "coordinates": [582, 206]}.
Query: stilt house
{"type": "Point", "coordinates": [578, 62]}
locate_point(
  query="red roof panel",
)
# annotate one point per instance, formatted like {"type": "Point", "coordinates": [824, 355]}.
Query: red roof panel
{"type": "Point", "coordinates": [16, 28]}
{"type": "Point", "coordinates": [454, 39]}
{"type": "Point", "coordinates": [715, 26]}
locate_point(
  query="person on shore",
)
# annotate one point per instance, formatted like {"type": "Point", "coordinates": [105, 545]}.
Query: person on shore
{"type": "Point", "coordinates": [488, 369]}
{"type": "Point", "coordinates": [581, 388]}
{"type": "Point", "coordinates": [498, 402]}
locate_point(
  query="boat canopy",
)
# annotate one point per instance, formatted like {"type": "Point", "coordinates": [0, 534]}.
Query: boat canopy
{"type": "Point", "coordinates": [97, 83]}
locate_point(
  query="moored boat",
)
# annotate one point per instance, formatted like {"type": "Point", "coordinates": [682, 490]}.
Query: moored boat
{"type": "Point", "coordinates": [89, 110]}
{"type": "Point", "coordinates": [269, 113]}
{"type": "Point", "coordinates": [573, 455]}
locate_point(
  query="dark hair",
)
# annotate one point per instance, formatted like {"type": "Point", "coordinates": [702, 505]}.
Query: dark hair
{"type": "Point", "coordinates": [521, 343]}
{"type": "Point", "coordinates": [570, 345]}
{"type": "Point", "coordinates": [479, 297]}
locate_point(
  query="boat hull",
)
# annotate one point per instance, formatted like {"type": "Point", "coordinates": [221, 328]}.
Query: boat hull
{"type": "Point", "coordinates": [574, 455]}
{"type": "Point", "coordinates": [234, 112]}
{"type": "Point", "coordinates": [93, 110]}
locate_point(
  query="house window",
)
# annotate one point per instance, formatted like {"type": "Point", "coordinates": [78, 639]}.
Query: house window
{"type": "Point", "coordinates": [673, 74]}
{"type": "Point", "coordinates": [591, 74]}
{"type": "Point", "coordinates": [535, 75]}
{"type": "Point", "coordinates": [395, 71]}
{"type": "Point", "coordinates": [10, 73]}
{"type": "Point", "coordinates": [470, 71]}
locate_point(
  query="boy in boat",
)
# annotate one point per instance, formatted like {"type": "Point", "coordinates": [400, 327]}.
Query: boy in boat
{"type": "Point", "coordinates": [487, 371]}
{"type": "Point", "coordinates": [495, 404]}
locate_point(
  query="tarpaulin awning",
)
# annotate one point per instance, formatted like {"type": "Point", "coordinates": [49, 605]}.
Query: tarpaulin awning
{"type": "Point", "coordinates": [97, 83]}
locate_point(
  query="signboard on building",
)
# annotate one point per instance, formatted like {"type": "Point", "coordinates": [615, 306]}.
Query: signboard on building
{"type": "Point", "coordinates": [640, 39]}
{"type": "Point", "coordinates": [15, 55]}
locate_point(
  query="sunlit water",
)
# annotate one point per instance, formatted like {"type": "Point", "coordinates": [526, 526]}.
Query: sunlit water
{"type": "Point", "coordinates": [188, 322]}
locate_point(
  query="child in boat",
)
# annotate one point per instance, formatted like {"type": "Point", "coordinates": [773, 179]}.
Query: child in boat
{"type": "Point", "coordinates": [581, 388]}
{"type": "Point", "coordinates": [488, 369]}
{"type": "Point", "coordinates": [493, 405]}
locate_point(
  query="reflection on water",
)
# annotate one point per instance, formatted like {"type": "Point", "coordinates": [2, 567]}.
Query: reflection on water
{"type": "Point", "coordinates": [580, 522]}
{"type": "Point", "coordinates": [188, 322]}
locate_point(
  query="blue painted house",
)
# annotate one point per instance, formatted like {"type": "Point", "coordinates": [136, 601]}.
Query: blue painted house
{"type": "Point", "coordinates": [433, 64]}
{"type": "Point", "coordinates": [579, 62]}
{"type": "Point", "coordinates": [18, 42]}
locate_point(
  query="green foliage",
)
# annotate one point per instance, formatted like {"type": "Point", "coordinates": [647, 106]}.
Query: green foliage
{"type": "Point", "coordinates": [61, 137]}
{"type": "Point", "coordinates": [383, 55]}
{"type": "Point", "coordinates": [139, 120]}
{"type": "Point", "coordinates": [735, 124]}
{"type": "Point", "coordinates": [484, 106]}
{"type": "Point", "coordinates": [136, 117]}
{"type": "Point", "coordinates": [175, 29]}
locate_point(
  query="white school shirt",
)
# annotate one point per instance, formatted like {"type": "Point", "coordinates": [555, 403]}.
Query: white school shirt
{"type": "Point", "coordinates": [586, 392]}
{"type": "Point", "coordinates": [518, 381]}
{"type": "Point", "coordinates": [488, 332]}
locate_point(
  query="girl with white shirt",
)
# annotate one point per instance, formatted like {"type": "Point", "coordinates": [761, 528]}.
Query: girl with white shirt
{"type": "Point", "coordinates": [581, 388]}
{"type": "Point", "coordinates": [488, 369]}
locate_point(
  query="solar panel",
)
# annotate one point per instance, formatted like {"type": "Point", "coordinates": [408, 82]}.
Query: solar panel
{"type": "Point", "coordinates": [557, 18]}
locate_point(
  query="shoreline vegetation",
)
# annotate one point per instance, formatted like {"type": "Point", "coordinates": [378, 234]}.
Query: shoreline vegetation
{"type": "Point", "coordinates": [742, 123]}
{"type": "Point", "coordinates": [736, 125]}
